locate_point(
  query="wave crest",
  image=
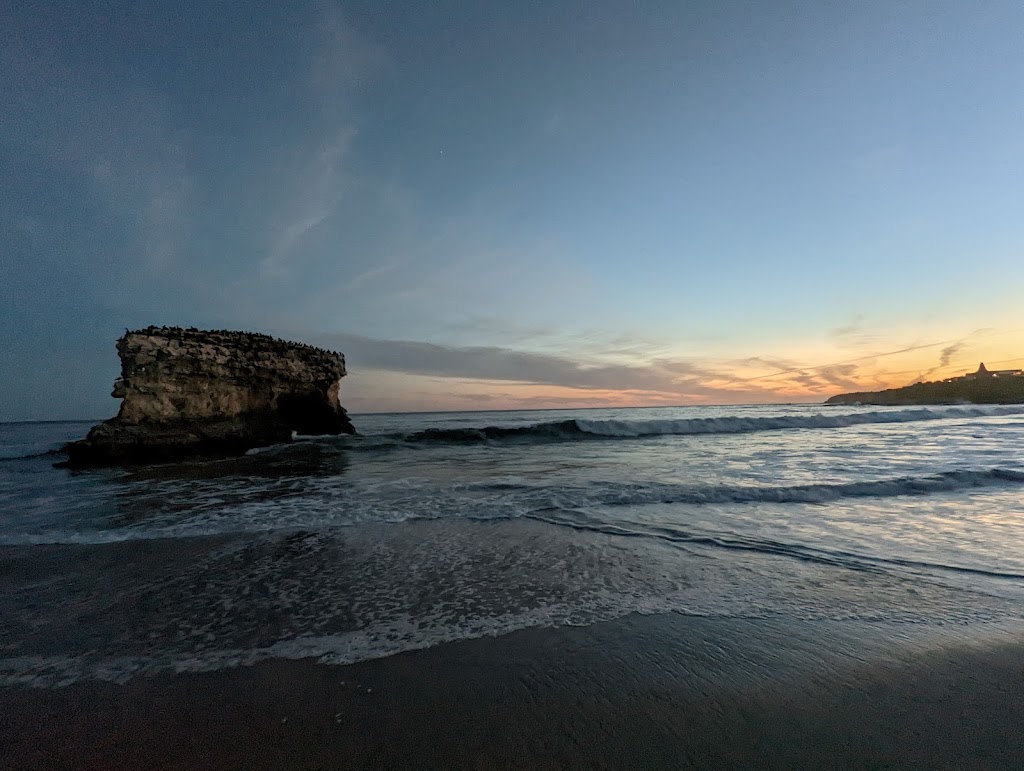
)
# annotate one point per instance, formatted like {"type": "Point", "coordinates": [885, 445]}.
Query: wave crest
{"type": "Point", "coordinates": [579, 428]}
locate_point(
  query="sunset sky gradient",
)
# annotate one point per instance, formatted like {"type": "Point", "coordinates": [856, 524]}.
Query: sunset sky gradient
{"type": "Point", "coordinates": [500, 205]}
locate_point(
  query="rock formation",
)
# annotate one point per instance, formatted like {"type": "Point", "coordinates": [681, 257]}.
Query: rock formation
{"type": "Point", "coordinates": [980, 390]}
{"type": "Point", "coordinates": [191, 392]}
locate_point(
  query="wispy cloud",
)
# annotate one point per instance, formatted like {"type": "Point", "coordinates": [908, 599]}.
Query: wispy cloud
{"type": "Point", "coordinates": [506, 376]}
{"type": "Point", "coordinates": [342, 63]}
{"type": "Point", "coordinates": [660, 380]}
{"type": "Point", "coordinates": [496, 363]}
{"type": "Point", "coordinates": [456, 280]}
{"type": "Point", "coordinates": [854, 335]}
{"type": "Point", "coordinates": [949, 352]}
{"type": "Point", "coordinates": [880, 368]}
{"type": "Point", "coordinates": [317, 191]}
{"type": "Point", "coordinates": [343, 59]}
{"type": "Point", "coordinates": [162, 220]}
{"type": "Point", "coordinates": [946, 356]}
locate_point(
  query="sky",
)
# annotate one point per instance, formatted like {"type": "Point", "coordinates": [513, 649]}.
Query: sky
{"type": "Point", "coordinates": [520, 204]}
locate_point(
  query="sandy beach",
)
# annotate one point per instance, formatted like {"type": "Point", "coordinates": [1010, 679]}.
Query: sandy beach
{"type": "Point", "coordinates": [663, 691]}
{"type": "Point", "coordinates": [786, 593]}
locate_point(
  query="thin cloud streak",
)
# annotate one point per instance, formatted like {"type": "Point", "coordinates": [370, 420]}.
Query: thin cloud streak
{"type": "Point", "coordinates": [908, 349]}
{"type": "Point", "coordinates": [342, 63]}
{"type": "Point", "coordinates": [507, 377]}
{"type": "Point", "coordinates": [660, 381]}
{"type": "Point", "coordinates": [492, 363]}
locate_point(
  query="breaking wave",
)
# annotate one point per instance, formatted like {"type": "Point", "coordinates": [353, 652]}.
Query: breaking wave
{"type": "Point", "coordinates": [568, 430]}
{"type": "Point", "coordinates": [571, 430]}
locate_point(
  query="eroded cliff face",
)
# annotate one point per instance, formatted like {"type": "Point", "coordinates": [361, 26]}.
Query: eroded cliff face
{"type": "Point", "coordinates": [188, 391]}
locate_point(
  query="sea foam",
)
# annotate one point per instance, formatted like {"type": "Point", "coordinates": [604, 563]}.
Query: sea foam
{"type": "Point", "coordinates": [580, 428]}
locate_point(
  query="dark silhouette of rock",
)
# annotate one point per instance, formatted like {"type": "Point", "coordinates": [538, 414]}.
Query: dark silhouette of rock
{"type": "Point", "coordinates": [188, 392]}
{"type": "Point", "coordinates": [981, 387]}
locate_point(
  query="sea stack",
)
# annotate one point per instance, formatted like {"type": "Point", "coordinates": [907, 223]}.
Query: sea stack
{"type": "Point", "coordinates": [189, 392]}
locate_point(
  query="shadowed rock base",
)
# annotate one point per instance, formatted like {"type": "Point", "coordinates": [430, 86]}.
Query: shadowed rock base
{"type": "Point", "coordinates": [111, 444]}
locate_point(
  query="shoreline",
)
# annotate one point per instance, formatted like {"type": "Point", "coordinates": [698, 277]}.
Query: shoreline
{"type": "Point", "coordinates": [662, 690]}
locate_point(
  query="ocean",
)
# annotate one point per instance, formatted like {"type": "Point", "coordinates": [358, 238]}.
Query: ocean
{"type": "Point", "coordinates": [432, 528]}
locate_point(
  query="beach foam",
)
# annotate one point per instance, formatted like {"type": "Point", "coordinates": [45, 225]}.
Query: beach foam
{"type": "Point", "coordinates": [579, 428]}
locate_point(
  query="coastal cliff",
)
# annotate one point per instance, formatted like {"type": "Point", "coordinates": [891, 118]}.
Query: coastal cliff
{"type": "Point", "coordinates": [192, 392]}
{"type": "Point", "coordinates": [975, 390]}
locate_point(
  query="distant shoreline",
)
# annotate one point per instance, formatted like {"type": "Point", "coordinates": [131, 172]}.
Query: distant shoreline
{"type": "Point", "coordinates": [990, 390]}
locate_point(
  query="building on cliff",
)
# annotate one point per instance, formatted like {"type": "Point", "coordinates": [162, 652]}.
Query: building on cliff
{"type": "Point", "coordinates": [192, 392]}
{"type": "Point", "coordinates": [983, 372]}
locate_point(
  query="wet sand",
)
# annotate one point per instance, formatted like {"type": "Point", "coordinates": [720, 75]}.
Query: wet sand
{"type": "Point", "coordinates": [664, 691]}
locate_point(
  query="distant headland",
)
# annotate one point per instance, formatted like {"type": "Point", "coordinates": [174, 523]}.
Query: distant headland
{"type": "Point", "coordinates": [189, 392]}
{"type": "Point", "coordinates": [984, 386]}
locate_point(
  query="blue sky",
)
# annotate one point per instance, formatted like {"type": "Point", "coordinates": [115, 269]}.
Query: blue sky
{"type": "Point", "coordinates": [494, 205]}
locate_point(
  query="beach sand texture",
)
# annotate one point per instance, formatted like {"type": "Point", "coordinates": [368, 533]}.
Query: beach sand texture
{"type": "Point", "coordinates": [646, 691]}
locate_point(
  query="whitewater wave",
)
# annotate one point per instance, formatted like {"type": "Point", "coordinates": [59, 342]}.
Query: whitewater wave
{"type": "Point", "coordinates": [579, 428]}
{"type": "Point", "coordinates": [366, 593]}
{"type": "Point", "coordinates": [496, 501]}
{"type": "Point", "coordinates": [833, 557]}
{"type": "Point", "coordinates": [618, 494]}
